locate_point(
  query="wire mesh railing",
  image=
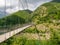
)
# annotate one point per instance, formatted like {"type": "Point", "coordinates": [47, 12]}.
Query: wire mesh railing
{"type": "Point", "coordinates": [5, 28]}
{"type": "Point", "coordinates": [8, 28]}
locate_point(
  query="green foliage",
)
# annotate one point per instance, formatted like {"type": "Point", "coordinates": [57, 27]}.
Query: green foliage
{"type": "Point", "coordinates": [32, 42]}
{"type": "Point", "coordinates": [55, 37]}
{"type": "Point", "coordinates": [47, 12]}
{"type": "Point", "coordinates": [29, 30]}
{"type": "Point", "coordinates": [15, 41]}
{"type": "Point", "coordinates": [19, 17]}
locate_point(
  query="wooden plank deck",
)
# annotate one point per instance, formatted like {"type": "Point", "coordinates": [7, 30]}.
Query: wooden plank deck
{"type": "Point", "coordinates": [5, 36]}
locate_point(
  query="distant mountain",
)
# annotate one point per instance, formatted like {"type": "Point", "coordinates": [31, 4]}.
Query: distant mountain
{"type": "Point", "coordinates": [56, 0]}
{"type": "Point", "coordinates": [28, 11]}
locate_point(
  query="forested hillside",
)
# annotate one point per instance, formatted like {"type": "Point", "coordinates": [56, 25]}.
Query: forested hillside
{"type": "Point", "coordinates": [48, 12]}
{"type": "Point", "coordinates": [47, 18]}
{"type": "Point", "coordinates": [16, 18]}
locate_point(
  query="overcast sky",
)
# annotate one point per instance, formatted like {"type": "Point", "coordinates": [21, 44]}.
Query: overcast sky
{"type": "Point", "coordinates": [13, 5]}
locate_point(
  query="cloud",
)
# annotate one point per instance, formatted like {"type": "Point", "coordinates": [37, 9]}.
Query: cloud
{"type": "Point", "coordinates": [12, 10]}
{"type": "Point", "coordinates": [1, 3]}
{"type": "Point", "coordinates": [14, 5]}
{"type": "Point", "coordinates": [31, 3]}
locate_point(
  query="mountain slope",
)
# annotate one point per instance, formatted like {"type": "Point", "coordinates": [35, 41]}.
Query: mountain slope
{"type": "Point", "coordinates": [47, 18]}
{"type": "Point", "coordinates": [19, 17]}
{"type": "Point", "coordinates": [47, 12]}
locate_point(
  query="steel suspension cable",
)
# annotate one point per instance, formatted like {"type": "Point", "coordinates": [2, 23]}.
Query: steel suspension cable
{"type": "Point", "coordinates": [18, 18]}
{"type": "Point", "coordinates": [19, 4]}
{"type": "Point", "coordinates": [10, 25]}
{"type": "Point", "coordinates": [37, 31]}
{"type": "Point", "coordinates": [26, 1]}
{"type": "Point", "coordinates": [5, 26]}
{"type": "Point", "coordinates": [22, 4]}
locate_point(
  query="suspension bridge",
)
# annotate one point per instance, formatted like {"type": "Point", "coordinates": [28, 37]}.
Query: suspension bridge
{"type": "Point", "coordinates": [9, 34]}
